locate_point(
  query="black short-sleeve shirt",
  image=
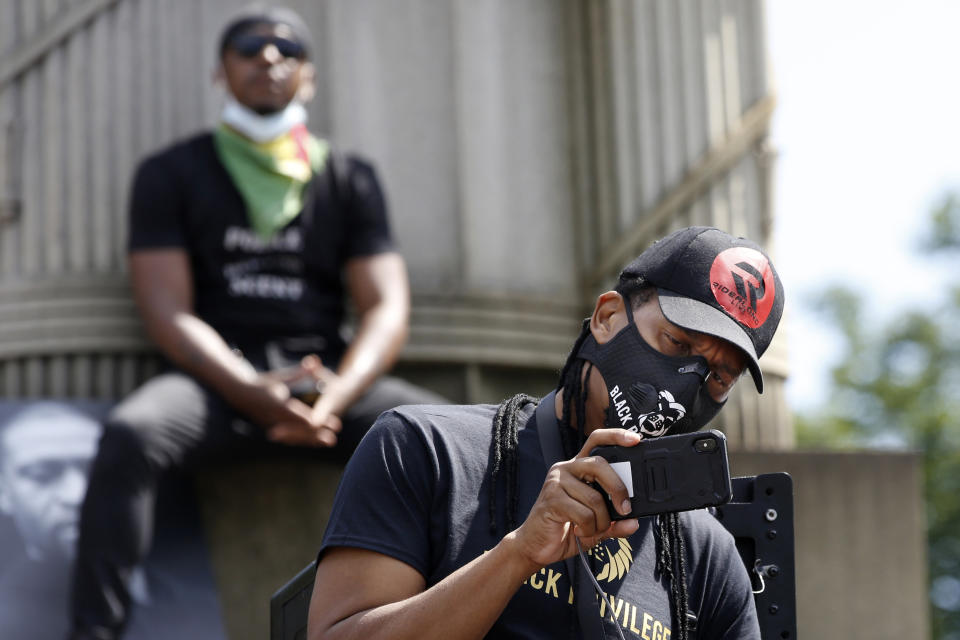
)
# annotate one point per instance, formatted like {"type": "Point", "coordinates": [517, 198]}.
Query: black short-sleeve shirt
{"type": "Point", "coordinates": [249, 289]}
{"type": "Point", "coordinates": [418, 488]}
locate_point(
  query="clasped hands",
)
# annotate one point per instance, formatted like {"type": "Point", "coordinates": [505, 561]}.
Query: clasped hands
{"type": "Point", "coordinates": [310, 419]}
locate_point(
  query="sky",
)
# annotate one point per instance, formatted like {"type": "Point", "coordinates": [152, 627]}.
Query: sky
{"type": "Point", "coordinates": [867, 132]}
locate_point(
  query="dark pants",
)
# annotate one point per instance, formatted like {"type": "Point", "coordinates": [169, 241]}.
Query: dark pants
{"type": "Point", "coordinates": [172, 422]}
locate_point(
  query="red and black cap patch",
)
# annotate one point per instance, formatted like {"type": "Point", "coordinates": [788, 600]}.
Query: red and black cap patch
{"type": "Point", "coordinates": [718, 284]}
{"type": "Point", "coordinates": [742, 281]}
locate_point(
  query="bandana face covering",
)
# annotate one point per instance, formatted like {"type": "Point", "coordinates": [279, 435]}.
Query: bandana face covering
{"type": "Point", "coordinates": [650, 393]}
{"type": "Point", "coordinates": [270, 159]}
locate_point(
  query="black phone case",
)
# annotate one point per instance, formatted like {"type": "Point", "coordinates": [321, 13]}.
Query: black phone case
{"type": "Point", "coordinates": [673, 473]}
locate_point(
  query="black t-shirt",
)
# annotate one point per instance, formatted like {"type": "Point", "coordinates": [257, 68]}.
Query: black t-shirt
{"type": "Point", "coordinates": [248, 289]}
{"type": "Point", "coordinates": [417, 489]}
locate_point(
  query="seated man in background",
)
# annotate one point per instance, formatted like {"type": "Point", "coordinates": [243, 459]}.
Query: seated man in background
{"type": "Point", "coordinates": [454, 522]}
{"type": "Point", "coordinates": [244, 244]}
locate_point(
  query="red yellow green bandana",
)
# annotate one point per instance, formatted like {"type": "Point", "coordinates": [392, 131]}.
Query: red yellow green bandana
{"type": "Point", "coordinates": [270, 176]}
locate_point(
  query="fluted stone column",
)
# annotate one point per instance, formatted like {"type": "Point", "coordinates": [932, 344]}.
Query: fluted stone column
{"type": "Point", "coordinates": [528, 149]}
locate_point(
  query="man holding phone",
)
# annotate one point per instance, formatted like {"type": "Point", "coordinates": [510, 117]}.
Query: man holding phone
{"type": "Point", "coordinates": [458, 521]}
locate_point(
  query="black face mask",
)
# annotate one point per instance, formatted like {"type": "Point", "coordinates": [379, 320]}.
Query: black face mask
{"type": "Point", "coordinates": [650, 393]}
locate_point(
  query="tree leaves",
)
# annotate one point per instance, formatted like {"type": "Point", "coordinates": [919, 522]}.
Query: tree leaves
{"type": "Point", "coordinates": [899, 385]}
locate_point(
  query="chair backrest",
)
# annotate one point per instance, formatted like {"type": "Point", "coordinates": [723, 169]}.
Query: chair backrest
{"type": "Point", "coordinates": [760, 517]}
{"type": "Point", "coordinates": [290, 605]}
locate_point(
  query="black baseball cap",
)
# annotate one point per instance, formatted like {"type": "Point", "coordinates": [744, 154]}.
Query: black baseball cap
{"type": "Point", "coordinates": [715, 283]}
{"type": "Point", "coordinates": [258, 14]}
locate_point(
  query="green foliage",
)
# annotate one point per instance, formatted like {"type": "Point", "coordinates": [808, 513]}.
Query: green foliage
{"type": "Point", "coordinates": [899, 385]}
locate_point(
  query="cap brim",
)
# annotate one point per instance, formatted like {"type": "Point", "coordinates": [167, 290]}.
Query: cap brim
{"type": "Point", "coordinates": [693, 314]}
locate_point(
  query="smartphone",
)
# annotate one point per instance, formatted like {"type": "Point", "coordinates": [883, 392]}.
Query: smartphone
{"type": "Point", "coordinates": [671, 473]}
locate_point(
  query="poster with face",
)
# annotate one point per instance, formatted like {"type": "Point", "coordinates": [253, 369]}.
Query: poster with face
{"type": "Point", "coordinates": [46, 448]}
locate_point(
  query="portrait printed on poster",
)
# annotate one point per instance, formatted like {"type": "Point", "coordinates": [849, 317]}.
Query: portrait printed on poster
{"type": "Point", "coordinates": [46, 449]}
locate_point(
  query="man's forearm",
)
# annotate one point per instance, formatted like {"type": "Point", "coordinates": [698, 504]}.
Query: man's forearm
{"type": "Point", "coordinates": [463, 606]}
{"type": "Point", "coordinates": [162, 287]}
{"type": "Point", "coordinates": [379, 339]}
{"type": "Point", "coordinates": [198, 349]}
{"type": "Point", "coordinates": [380, 293]}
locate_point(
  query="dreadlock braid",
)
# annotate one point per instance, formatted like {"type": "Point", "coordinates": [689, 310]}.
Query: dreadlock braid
{"type": "Point", "coordinates": [573, 383]}
{"type": "Point", "coordinates": [506, 426]}
{"type": "Point", "coordinates": [671, 563]}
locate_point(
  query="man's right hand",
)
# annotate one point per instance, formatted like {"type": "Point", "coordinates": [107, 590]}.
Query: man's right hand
{"type": "Point", "coordinates": [569, 508]}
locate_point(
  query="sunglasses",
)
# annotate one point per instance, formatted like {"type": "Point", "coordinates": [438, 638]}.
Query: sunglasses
{"type": "Point", "coordinates": [249, 46]}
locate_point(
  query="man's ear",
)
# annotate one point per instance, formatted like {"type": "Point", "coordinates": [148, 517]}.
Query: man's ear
{"type": "Point", "coordinates": [609, 316]}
